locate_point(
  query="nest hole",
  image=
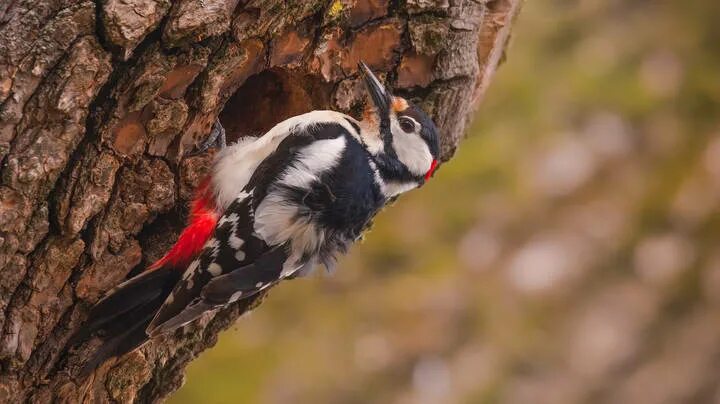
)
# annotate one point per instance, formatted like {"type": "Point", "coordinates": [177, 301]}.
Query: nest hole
{"type": "Point", "coordinates": [268, 98]}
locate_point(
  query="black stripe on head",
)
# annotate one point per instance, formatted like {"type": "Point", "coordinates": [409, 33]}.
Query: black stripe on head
{"type": "Point", "coordinates": [391, 169]}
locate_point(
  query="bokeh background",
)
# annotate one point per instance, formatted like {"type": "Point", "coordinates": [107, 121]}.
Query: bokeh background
{"type": "Point", "coordinates": [569, 253]}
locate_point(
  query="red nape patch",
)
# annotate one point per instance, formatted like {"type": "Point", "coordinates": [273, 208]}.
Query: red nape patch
{"type": "Point", "coordinates": [201, 224]}
{"type": "Point", "coordinates": [430, 172]}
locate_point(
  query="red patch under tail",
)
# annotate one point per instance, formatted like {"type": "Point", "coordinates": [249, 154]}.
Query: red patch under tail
{"type": "Point", "coordinates": [202, 221]}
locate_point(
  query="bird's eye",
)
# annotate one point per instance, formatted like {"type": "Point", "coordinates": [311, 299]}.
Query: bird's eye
{"type": "Point", "coordinates": [407, 125]}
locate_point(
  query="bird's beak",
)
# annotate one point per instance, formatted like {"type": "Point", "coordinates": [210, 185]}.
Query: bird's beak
{"type": "Point", "coordinates": [380, 95]}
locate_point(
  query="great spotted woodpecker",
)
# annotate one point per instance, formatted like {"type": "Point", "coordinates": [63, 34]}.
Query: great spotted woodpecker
{"type": "Point", "coordinates": [273, 208]}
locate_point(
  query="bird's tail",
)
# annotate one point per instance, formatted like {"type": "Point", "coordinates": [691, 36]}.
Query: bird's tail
{"type": "Point", "coordinates": [120, 318]}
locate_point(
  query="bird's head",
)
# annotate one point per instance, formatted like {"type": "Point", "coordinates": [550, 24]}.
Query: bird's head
{"type": "Point", "coordinates": [410, 143]}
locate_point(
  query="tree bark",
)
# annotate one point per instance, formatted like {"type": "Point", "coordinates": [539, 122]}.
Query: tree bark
{"type": "Point", "coordinates": [99, 104]}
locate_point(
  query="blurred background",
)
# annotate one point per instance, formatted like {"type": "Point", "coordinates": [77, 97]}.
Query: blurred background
{"type": "Point", "coordinates": [567, 254]}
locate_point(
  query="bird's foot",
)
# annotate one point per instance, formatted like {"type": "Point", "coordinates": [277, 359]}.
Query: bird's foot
{"type": "Point", "coordinates": [216, 139]}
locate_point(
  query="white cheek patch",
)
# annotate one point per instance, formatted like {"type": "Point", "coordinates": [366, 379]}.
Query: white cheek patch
{"type": "Point", "coordinates": [411, 149]}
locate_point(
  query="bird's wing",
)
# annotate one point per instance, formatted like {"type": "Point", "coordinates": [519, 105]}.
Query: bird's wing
{"type": "Point", "coordinates": [248, 280]}
{"type": "Point", "coordinates": [232, 246]}
{"type": "Point", "coordinates": [241, 283]}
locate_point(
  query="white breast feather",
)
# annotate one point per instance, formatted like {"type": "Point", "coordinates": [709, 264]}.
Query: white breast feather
{"type": "Point", "coordinates": [393, 188]}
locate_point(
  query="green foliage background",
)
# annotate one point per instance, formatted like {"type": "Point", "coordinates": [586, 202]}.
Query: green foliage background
{"type": "Point", "coordinates": [567, 254]}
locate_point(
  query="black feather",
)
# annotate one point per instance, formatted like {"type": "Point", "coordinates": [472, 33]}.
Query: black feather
{"type": "Point", "coordinates": [186, 316]}
{"type": "Point", "coordinates": [122, 342]}
{"type": "Point", "coordinates": [120, 318]}
{"type": "Point", "coordinates": [143, 290]}
{"type": "Point", "coordinates": [247, 280]}
{"type": "Point", "coordinates": [189, 288]}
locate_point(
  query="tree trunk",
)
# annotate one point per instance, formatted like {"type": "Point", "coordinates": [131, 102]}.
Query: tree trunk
{"type": "Point", "coordinates": [100, 101]}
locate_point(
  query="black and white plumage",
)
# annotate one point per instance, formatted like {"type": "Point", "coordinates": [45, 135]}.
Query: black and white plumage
{"type": "Point", "coordinates": [289, 200]}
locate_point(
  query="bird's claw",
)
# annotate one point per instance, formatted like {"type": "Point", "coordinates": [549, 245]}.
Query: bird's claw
{"type": "Point", "coordinates": [216, 139]}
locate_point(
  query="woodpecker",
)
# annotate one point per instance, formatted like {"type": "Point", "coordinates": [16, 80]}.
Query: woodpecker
{"type": "Point", "coordinates": [273, 208]}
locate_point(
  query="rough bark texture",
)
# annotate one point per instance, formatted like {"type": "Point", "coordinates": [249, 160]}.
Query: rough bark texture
{"type": "Point", "coordinates": [100, 101]}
